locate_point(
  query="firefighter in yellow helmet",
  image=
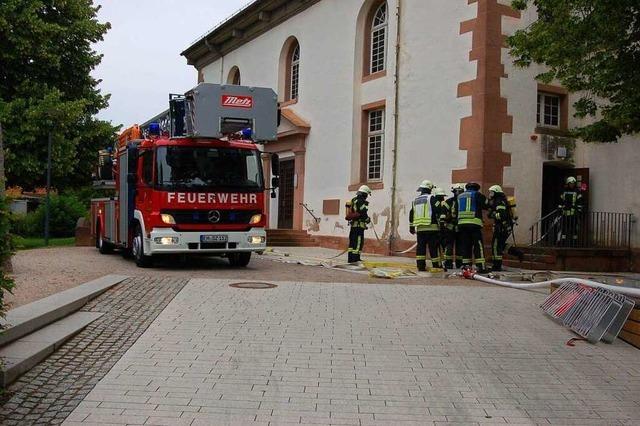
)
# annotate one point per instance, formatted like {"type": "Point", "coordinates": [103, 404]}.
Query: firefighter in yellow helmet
{"type": "Point", "coordinates": [358, 217]}
{"type": "Point", "coordinates": [503, 220]}
{"type": "Point", "coordinates": [423, 222]}
{"type": "Point", "coordinates": [571, 206]}
{"type": "Point", "coordinates": [471, 204]}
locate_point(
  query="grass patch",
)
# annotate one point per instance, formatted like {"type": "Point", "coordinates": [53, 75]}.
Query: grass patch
{"type": "Point", "coordinates": [22, 243]}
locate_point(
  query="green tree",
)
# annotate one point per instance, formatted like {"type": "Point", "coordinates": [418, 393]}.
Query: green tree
{"type": "Point", "coordinates": [46, 85]}
{"type": "Point", "coordinates": [593, 48]}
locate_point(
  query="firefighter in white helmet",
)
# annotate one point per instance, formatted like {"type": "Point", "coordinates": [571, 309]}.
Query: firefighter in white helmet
{"type": "Point", "coordinates": [423, 222]}
{"type": "Point", "coordinates": [358, 217]}
{"type": "Point", "coordinates": [571, 206]}
{"type": "Point", "coordinates": [503, 220]}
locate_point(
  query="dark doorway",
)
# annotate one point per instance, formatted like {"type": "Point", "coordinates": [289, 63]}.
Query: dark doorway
{"type": "Point", "coordinates": [553, 183]}
{"type": "Point", "coordinates": [286, 194]}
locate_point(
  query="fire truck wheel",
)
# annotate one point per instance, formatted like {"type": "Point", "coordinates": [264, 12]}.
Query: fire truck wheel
{"type": "Point", "coordinates": [239, 259]}
{"type": "Point", "coordinates": [142, 260]}
{"type": "Point", "coordinates": [103, 246]}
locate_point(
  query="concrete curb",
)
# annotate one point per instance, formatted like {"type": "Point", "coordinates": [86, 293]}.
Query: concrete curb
{"type": "Point", "coordinates": [23, 354]}
{"type": "Point", "coordinates": [28, 318]}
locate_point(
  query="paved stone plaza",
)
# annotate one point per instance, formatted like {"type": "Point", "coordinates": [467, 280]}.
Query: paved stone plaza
{"type": "Point", "coordinates": [354, 354]}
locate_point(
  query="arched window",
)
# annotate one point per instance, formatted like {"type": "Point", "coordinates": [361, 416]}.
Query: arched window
{"type": "Point", "coordinates": [294, 72]}
{"type": "Point", "coordinates": [378, 40]}
{"type": "Point", "coordinates": [234, 76]}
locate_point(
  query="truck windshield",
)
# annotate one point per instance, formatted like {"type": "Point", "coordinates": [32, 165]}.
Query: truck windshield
{"type": "Point", "coordinates": [208, 168]}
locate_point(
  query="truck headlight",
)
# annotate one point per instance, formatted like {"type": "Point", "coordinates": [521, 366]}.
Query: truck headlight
{"type": "Point", "coordinates": [256, 239]}
{"type": "Point", "coordinates": [168, 219]}
{"type": "Point", "coordinates": [166, 241]}
{"type": "Point", "coordinates": [256, 218]}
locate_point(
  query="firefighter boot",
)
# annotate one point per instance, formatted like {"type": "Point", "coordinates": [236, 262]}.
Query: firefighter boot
{"type": "Point", "coordinates": [517, 253]}
{"type": "Point", "coordinates": [497, 266]}
{"type": "Point", "coordinates": [352, 258]}
{"type": "Point", "coordinates": [422, 265]}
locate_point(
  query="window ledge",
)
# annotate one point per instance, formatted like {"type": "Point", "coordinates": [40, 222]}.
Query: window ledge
{"type": "Point", "coordinates": [553, 131]}
{"type": "Point", "coordinates": [374, 76]}
{"type": "Point", "coordinates": [288, 103]}
{"type": "Point", "coordinates": [373, 185]}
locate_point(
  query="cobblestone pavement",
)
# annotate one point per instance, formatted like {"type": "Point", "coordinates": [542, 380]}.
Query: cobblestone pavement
{"type": "Point", "coordinates": [52, 390]}
{"type": "Point", "coordinates": [350, 354]}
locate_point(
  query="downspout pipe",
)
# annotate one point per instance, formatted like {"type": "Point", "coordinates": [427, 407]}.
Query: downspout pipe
{"type": "Point", "coordinates": [396, 129]}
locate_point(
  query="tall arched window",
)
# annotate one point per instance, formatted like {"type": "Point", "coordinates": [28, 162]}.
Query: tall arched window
{"type": "Point", "coordinates": [378, 40]}
{"type": "Point", "coordinates": [294, 73]}
{"type": "Point", "coordinates": [234, 76]}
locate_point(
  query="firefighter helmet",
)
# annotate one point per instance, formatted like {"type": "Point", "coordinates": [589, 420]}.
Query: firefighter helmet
{"type": "Point", "coordinates": [440, 191]}
{"type": "Point", "coordinates": [571, 179]}
{"type": "Point", "coordinates": [426, 184]}
{"type": "Point", "coordinates": [473, 186]}
{"type": "Point", "coordinates": [457, 187]}
{"type": "Point", "coordinates": [365, 190]}
{"type": "Point", "coordinates": [496, 188]}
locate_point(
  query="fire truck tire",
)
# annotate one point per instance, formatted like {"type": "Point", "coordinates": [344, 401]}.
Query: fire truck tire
{"type": "Point", "coordinates": [103, 246]}
{"type": "Point", "coordinates": [239, 259]}
{"type": "Point", "coordinates": [142, 260]}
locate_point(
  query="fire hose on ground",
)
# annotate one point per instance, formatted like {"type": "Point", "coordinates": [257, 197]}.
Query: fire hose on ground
{"type": "Point", "coordinates": [631, 292]}
{"type": "Point", "coordinates": [593, 310]}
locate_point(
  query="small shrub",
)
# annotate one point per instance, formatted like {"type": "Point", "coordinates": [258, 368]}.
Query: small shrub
{"type": "Point", "coordinates": [65, 211]}
{"type": "Point", "coordinates": [24, 225]}
{"type": "Point", "coordinates": [6, 250]}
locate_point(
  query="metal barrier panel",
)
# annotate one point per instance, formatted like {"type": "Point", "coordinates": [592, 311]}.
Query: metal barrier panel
{"type": "Point", "coordinates": [593, 313]}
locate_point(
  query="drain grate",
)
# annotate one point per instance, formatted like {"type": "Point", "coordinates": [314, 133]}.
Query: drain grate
{"type": "Point", "coordinates": [253, 285]}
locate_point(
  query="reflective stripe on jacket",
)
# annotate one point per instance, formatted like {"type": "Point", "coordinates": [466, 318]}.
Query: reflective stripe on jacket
{"type": "Point", "coordinates": [423, 212]}
{"type": "Point", "coordinates": [360, 206]}
{"type": "Point", "coordinates": [470, 206]}
{"type": "Point", "coordinates": [571, 203]}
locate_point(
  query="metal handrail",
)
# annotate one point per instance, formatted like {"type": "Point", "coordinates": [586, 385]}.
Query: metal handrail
{"type": "Point", "coordinates": [584, 230]}
{"type": "Point", "coordinates": [317, 219]}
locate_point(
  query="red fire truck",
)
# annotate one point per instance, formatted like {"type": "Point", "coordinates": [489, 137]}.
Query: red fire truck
{"type": "Point", "coordinates": [190, 181]}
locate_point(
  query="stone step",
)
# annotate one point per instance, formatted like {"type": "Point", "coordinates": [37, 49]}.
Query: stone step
{"type": "Point", "coordinates": [25, 353]}
{"type": "Point", "coordinates": [294, 244]}
{"type": "Point", "coordinates": [307, 238]}
{"type": "Point", "coordinates": [28, 318]}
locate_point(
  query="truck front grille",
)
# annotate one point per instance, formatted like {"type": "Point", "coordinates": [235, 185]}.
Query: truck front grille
{"type": "Point", "coordinates": [201, 217]}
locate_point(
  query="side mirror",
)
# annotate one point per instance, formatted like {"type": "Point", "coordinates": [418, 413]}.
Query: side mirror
{"type": "Point", "coordinates": [275, 182]}
{"type": "Point", "coordinates": [132, 179]}
{"type": "Point", "coordinates": [275, 165]}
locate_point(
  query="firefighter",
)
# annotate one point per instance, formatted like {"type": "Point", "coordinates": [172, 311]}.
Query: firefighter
{"type": "Point", "coordinates": [503, 221]}
{"type": "Point", "coordinates": [571, 204]}
{"type": "Point", "coordinates": [450, 234]}
{"type": "Point", "coordinates": [423, 222]}
{"type": "Point", "coordinates": [471, 204]}
{"type": "Point", "coordinates": [358, 216]}
{"type": "Point", "coordinates": [442, 212]}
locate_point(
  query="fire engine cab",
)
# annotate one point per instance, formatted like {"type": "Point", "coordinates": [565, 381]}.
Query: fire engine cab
{"type": "Point", "coordinates": [191, 181]}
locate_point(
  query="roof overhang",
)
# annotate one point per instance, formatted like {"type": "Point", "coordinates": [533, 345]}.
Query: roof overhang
{"type": "Point", "coordinates": [254, 20]}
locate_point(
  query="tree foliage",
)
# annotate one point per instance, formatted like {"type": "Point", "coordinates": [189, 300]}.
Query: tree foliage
{"type": "Point", "coordinates": [46, 85]}
{"type": "Point", "coordinates": [593, 48]}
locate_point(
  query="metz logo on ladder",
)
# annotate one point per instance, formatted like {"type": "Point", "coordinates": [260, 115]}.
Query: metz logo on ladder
{"type": "Point", "coordinates": [230, 101]}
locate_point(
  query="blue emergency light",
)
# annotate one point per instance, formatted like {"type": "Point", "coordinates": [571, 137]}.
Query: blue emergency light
{"type": "Point", "coordinates": [247, 133]}
{"type": "Point", "coordinates": [154, 129]}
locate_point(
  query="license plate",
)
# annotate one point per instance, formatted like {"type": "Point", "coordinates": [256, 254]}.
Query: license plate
{"type": "Point", "coordinates": [214, 238]}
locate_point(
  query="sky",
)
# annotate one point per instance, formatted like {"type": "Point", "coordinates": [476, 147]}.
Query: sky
{"type": "Point", "coordinates": [142, 62]}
